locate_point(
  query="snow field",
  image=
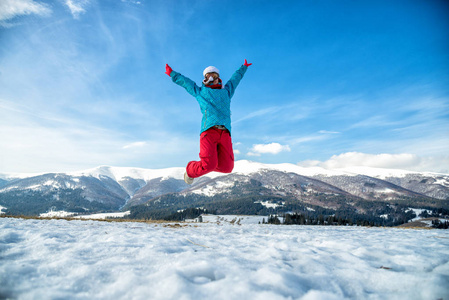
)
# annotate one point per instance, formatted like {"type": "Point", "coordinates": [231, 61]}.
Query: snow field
{"type": "Point", "coordinates": [99, 216]}
{"type": "Point", "coordinates": [233, 219]}
{"type": "Point", "coordinates": [49, 259]}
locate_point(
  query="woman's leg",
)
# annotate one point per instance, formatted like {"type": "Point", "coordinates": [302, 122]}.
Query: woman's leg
{"type": "Point", "coordinates": [208, 155]}
{"type": "Point", "coordinates": [225, 153]}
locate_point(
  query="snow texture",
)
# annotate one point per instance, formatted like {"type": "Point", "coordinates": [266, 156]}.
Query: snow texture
{"type": "Point", "coordinates": [269, 204]}
{"type": "Point", "coordinates": [60, 259]}
{"type": "Point", "coordinates": [99, 216]}
{"type": "Point", "coordinates": [56, 214]}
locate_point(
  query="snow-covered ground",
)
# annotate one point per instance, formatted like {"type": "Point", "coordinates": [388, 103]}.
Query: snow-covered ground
{"type": "Point", "coordinates": [56, 214]}
{"type": "Point", "coordinates": [60, 259]}
{"type": "Point", "coordinates": [233, 219]}
{"type": "Point", "coordinates": [417, 212]}
{"type": "Point", "coordinates": [104, 215]}
{"type": "Point", "coordinates": [99, 216]}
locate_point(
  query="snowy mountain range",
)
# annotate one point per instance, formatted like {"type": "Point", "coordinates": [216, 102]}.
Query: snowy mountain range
{"type": "Point", "coordinates": [114, 188]}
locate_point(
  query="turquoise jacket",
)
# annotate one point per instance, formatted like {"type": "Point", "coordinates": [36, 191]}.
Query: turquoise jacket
{"type": "Point", "coordinates": [215, 104]}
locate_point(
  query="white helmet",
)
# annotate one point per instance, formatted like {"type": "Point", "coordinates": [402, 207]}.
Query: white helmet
{"type": "Point", "coordinates": [211, 69]}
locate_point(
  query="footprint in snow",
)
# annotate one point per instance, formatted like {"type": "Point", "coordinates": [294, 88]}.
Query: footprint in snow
{"type": "Point", "coordinates": [201, 274]}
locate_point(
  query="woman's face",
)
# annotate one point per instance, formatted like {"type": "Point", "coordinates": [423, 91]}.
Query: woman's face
{"type": "Point", "coordinates": [214, 76]}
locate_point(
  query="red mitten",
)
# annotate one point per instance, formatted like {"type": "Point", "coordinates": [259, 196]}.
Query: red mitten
{"type": "Point", "coordinates": [168, 69]}
{"type": "Point", "coordinates": [247, 64]}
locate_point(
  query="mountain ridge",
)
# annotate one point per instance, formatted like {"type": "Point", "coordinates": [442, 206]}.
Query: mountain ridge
{"type": "Point", "coordinates": [114, 188]}
{"type": "Point", "coordinates": [241, 166]}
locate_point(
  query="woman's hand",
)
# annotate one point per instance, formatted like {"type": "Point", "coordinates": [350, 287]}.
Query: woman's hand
{"type": "Point", "coordinates": [168, 69]}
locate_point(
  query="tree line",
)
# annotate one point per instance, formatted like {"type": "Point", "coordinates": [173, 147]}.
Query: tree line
{"type": "Point", "coordinates": [304, 219]}
{"type": "Point", "coordinates": [33, 203]}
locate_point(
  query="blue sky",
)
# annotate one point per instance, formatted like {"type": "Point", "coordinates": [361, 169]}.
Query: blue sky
{"type": "Point", "coordinates": [333, 83]}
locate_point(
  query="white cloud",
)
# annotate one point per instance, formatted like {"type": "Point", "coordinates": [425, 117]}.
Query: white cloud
{"type": "Point", "coordinates": [9, 9]}
{"type": "Point", "coordinates": [132, 2]}
{"type": "Point", "coordinates": [405, 161]}
{"type": "Point", "coordinates": [273, 148]}
{"type": "Point", "coordinates": [328, 132]}
{"type": "Point", "coordinates": [77, 7]}
{"type": "Point", "coordinates": [134, 145]}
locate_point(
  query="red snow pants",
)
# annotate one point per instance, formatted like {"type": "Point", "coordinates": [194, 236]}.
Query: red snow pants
{"type": "Point", "coordinates": [216, 154]}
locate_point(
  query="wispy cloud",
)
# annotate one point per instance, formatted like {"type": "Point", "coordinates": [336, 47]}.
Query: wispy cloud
{"type": "Point", "coordinates": [135, 145]}
{"type": "Point", "coordinates": [405, 111]}
{"type": "Point", "coordinates": [286, 113]}
{"type": "Point", "coordinates": [35, 139]}
{"type": "Point", "coordinates": [313, 137]}
{"type": "Point", "coordinates": [328, 132]}
{"type": "Point", "coordinates": [10, 9]}
{"type": "Point", "coordinates": [259, 113]}
{"type": "Point", "coordinates": [377, 121]}
{"type": "Point", "coordinates": [77, 7]}
{"type": "Point", "coordinates": [31, 144]}
{"type": "Point", "coordinates": [132, 2]}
